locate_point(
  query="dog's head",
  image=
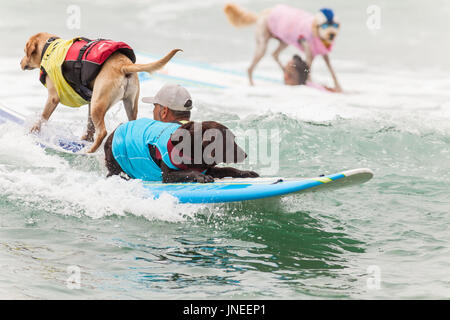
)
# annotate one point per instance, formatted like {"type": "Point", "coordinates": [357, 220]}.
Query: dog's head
{"type": "Point", "coordinates": [205, 144]}
{"type": "Point", "coordinates": [326, 26]}
{"type": "Point", "coordinates": [33, 51]}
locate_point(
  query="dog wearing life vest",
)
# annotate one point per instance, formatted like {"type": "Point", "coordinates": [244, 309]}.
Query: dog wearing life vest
{"type": "Point", "coordinates": [173, 152]}
{"type": "Point", "coordinates": [80, 71]}
{"type": "Point", "coordinates": [312, 34]}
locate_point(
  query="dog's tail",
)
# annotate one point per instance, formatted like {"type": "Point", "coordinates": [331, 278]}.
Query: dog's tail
{"type": "Point", "coordinates": [149, 67]}
{"type": "Point", "coordinates": [238, 16]}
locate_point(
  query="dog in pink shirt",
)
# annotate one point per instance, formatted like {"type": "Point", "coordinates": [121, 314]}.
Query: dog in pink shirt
{"type": "Point", "coordinates": [312, 34]}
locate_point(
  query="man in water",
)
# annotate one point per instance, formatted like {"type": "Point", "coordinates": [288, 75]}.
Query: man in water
{"type": "Point", "coordinates": [297, 72]}
{"type": "Point", "coordinates": [172, 103]}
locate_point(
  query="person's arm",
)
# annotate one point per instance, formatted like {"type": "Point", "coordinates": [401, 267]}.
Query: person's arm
{"type": "Point", "coordinates": [337, 86]}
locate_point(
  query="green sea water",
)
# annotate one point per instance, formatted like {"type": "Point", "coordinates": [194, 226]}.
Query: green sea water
{"type": "Point", "coordinates": [322, 245]}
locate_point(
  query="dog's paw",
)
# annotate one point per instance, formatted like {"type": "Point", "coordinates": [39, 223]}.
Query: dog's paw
{"type": "Point", "coordinates": [88, 137]}
{"type": "Point", "coordinates": [203, 178]}
{"type": "Point", "coordinates": [36, 128]}
{"type": "Point", "coordinates": [249, 174]}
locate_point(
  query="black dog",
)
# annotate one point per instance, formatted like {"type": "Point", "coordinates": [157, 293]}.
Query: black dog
{"type": "Point", "coordinates": [201, 169]}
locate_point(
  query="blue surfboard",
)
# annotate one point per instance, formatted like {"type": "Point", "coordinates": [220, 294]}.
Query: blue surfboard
{"type": "Point", "coordinates": [232, 190]}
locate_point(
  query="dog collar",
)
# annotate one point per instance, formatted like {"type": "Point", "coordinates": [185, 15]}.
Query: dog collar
{"type": "Point", "coordinates": [47, 43]}
{"type": "Point", "coordinates": [326, 44]}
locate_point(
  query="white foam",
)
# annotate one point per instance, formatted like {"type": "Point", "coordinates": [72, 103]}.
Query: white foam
{"type": "Point", "coordinates": [47, 182]}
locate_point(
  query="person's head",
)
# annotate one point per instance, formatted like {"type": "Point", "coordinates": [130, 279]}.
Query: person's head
{"type": "Point", "coordinates": [326, 25]}
{"type": "Point", "coordinates": [172, 103]}
{"type": "Point", "coordinates": [296, 72]}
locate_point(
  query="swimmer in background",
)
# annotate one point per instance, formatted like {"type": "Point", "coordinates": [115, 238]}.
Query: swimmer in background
{"type": "Point", "coordinates": [297, 72]}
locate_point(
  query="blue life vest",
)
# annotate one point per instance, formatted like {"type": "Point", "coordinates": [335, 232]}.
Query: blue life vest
{"type": "Point", "coordinates": [130, 147]}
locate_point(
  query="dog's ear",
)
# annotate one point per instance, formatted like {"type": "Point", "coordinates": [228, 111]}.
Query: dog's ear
{"type": "Point", "coordinates": [211, 130]}
{"type": "Point", "coordinates": [315, 27]}
{"type": "Point", "coordinates": [213, 138]}
{"type": "Point", "coordinates": [30, 47]}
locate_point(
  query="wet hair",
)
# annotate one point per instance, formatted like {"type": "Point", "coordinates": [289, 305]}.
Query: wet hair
{"type": "Point", "coordinates": [302, 69]}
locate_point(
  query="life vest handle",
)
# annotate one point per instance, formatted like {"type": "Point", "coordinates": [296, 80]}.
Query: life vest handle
{"type": "Point", "coordinates": [47, 43]}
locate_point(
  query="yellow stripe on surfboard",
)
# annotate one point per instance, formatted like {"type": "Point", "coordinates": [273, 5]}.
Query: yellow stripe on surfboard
{"type": "Point", "coordinates": [323, 179]}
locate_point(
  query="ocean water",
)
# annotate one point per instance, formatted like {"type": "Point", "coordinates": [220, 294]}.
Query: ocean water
{"type": "Point", "coordinates": [386, 239]}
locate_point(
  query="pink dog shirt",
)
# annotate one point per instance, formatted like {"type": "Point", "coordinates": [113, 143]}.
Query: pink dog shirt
{"type": "Point", "coordinates": [291, 24]}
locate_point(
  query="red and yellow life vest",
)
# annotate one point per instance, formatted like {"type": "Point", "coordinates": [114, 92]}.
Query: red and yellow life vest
{"type": "Point", "coordinates": [73, 64]}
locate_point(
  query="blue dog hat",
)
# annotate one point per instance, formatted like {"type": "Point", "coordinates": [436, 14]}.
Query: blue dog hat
{"type": "Point", "coordinates": [328, 13]}
{"type": "Point", "coordinates": [327, 18]}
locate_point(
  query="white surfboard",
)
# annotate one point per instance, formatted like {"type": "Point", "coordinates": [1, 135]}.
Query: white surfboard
{"type": "Point", "coordinates": [196, 74]}
{"type": "Point", "coordinates": [61, 144]}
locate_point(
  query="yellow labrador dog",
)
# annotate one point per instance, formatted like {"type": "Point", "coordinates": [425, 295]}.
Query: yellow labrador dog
{"type": "Point", "coordinates": [81, 71]}
{"type": "Point", "coordinates": [314, 34]}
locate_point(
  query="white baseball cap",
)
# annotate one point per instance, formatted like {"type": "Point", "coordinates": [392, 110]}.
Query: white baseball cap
{"type": "Point", "coordinates": [173, 96]}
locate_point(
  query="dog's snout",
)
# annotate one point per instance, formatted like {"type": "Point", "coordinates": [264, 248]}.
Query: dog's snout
{"type": "Point", "coordinates": [332, 35]}
{"type": "Point", "coordinates": [24, 65]}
